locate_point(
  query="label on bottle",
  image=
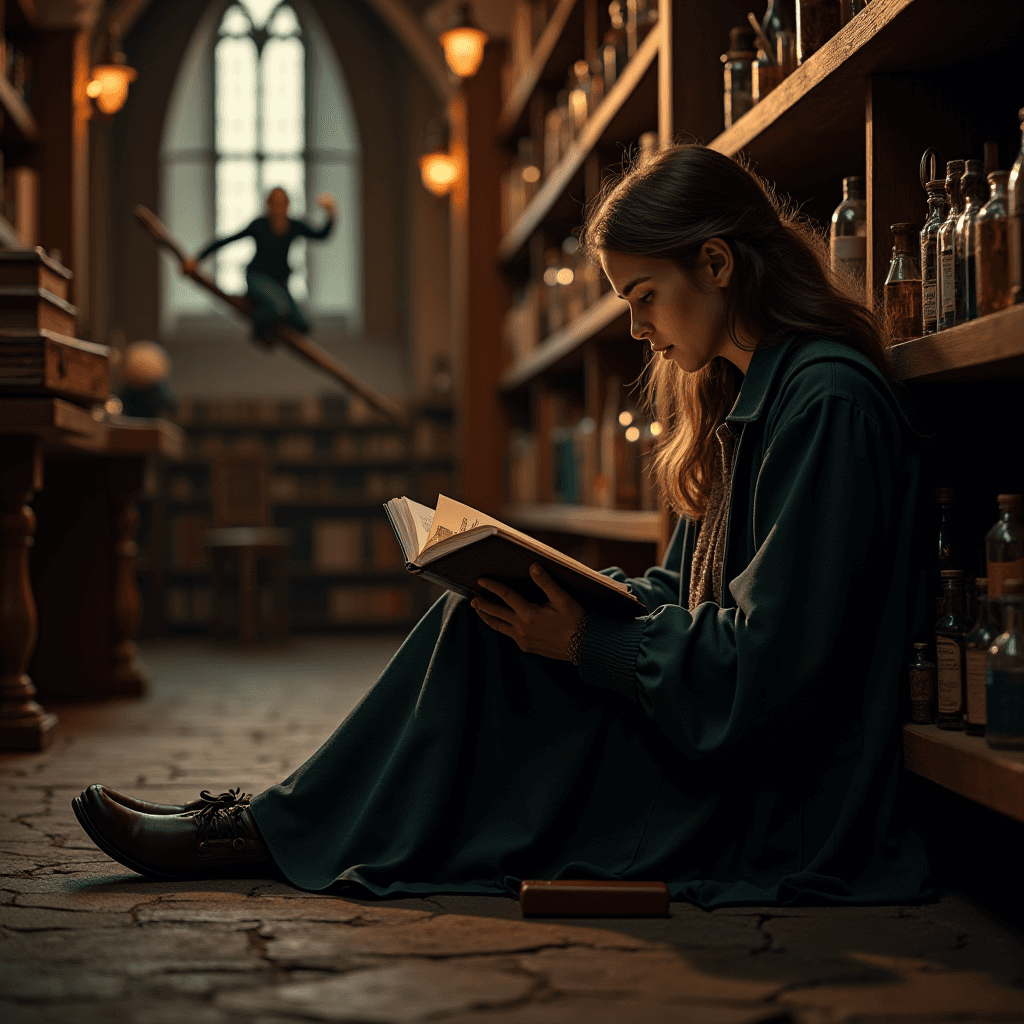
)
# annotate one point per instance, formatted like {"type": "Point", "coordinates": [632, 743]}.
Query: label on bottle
{"type": "Point", "coordinates": [1000, 572]}
{"type": "Point", "coordinates": [929, 289]}
{"type": "Point", "coordinates": [949, 662]}
{"type": "Point", "coordinates": [975, 689]}
{"type": "Point", "coordinates": [922, 685]}
{"type": "Point", "coordinates": [947, 284]}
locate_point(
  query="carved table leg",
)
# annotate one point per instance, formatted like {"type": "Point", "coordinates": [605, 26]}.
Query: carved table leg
{"type": "Point", "coordinates": [24, 725]}
{"type": "Point", "coordinates": [126, 676]}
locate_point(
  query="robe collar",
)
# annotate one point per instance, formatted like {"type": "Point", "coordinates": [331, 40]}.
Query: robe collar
{"type": "Point", "coordinates": [764, 367]}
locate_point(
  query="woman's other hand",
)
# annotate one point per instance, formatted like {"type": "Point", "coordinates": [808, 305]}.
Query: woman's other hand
{"type": "Point", "coordinates": [188, 265]}
{"type": "Point", "coordinates": [543, 629]}
{"type": "Point", "coordinates": [326, 200]}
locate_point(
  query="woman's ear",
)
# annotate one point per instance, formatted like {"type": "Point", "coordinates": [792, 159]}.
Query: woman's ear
{"type": "Point", "coordinates": [719, 262]}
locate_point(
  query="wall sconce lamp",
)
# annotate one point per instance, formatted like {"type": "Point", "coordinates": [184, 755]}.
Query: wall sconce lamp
{"type": "Point", "coordinates": [108, 86]}
{"type": "Point", "coordinates": [463, 42]}
{"type": "Point", "coordinates": [439, 169]}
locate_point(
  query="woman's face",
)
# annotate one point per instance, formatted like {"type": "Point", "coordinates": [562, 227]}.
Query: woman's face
{"type": "Point", "coordinates": [681, 315]}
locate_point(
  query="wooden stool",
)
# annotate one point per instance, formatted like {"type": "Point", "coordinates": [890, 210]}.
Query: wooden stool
{"type": "Point", "coordinates": [241, 510]}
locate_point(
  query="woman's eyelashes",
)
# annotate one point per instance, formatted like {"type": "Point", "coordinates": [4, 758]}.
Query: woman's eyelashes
{"type": "Point", "coordinates": [647, 298]}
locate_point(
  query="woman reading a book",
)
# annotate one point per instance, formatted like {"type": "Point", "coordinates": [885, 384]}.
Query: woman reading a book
{"type": "Point", "coordinates": [740, 740]}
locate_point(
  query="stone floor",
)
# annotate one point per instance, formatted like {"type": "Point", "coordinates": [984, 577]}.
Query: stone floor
{"type": "Point", "coordinates": [85, 940]}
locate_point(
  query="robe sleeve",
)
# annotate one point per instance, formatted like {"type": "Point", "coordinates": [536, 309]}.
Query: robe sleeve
{"type": "Point", "coordinates": [219, 243]}
{"type": "Point", "coordinates": [303, 228]}
{"type": "Point", "coordinates": [660, 585]}
{"type": "Point", "coordinates": [722, 676]}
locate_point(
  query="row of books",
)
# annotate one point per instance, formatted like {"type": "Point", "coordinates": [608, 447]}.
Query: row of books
{"type": "Point", "coordinates": [284, 488]}
{"type": "Point", "coordinates": [311, 410]}
{"type": "Point", "coordinates": [303, 447]}
{"type": "Point", "coordinates": [329, 544]}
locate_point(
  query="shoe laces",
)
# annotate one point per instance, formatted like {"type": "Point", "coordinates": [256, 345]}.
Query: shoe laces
{"type": "Point", "coordinates": [228, 799]}
{"type": "Point", "coordinates": [221, 819]}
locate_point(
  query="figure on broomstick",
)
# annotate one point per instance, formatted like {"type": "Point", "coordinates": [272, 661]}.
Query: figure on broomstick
{"type": "Point", "coordinates": [266, 277]}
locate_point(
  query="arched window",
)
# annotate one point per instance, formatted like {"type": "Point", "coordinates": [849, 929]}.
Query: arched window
{"type": "Point", "coordinates": [260, 102]}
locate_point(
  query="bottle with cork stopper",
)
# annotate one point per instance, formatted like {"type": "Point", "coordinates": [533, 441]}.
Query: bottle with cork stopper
{"type": "Point", "coordinates": [903, 285]}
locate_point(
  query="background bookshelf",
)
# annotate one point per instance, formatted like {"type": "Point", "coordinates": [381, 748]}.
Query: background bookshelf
{"type": "Point", "coordinates": [331, 468]}
{"type": "Point", "coordinates": [898, 77]}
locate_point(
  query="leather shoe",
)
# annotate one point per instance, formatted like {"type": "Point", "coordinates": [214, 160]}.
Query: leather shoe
{"type": "Point", "coordinates": [232, 796]}
{"type": "Point", "coordinates": [218, 841]}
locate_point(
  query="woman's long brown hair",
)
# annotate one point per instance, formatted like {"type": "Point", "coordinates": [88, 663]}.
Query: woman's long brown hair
{"type": "Point", "coordinates": [667, 205]}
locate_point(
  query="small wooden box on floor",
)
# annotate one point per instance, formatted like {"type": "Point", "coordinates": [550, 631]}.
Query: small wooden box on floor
{"type": "Point", "coordinates": [592, 898]}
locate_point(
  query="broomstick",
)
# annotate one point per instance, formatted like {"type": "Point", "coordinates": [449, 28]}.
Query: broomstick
{"type": "Point", "coordinates": [288, 334]}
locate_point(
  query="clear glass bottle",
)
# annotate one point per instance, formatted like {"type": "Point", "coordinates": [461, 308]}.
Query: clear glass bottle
{"type": "Point", "coordinates": [946, 247]}
{"type": "Point", "coordinates": [1015, 218]}
{"type": "Point", "coordinates": [738, 69]}
{"type": "Point", "coordinates": [984, 631]}
{"type": "Point", "coordinates": [848, 236]}
{"type": "Point", "coordinates": [1004, 544]}
{"type": "Point", "coordinates": [765, 76]}
{"type": "Point", "coordinates": [1004, 672]}
{"type": "Point", "coordinates": [903, 286]}
{"type": "Point", "coordinates": [974, 192]}
{"type": "Point", "coordinates": [922, 686]}
{"type": "Point", "coordinates": [991, 250]}
{"type": "Point", "coordinates": [950, 634]}
{"type": "Point", "coordinates": [613, 48]}
{"type": "Point", "coordinates": [938, 211]}
{"type": "Point", "coordinates": [779, 25]}
{"type": "Point", "coordinates": [817, 21]}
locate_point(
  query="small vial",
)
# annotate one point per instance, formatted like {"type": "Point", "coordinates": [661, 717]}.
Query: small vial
{"type": "Point", "coordinates": [903, 286]}
{"type": "Point", "coordinates": [950, 637]}
{"type": "Point", "coordinates": [1004, 675]}
{"type": "Point", "coordinates": [921, 673]}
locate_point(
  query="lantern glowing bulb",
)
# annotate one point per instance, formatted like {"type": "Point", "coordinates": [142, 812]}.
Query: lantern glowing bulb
{"type": "Point", "coordinates": [109, 86]}
{"type": "Point", "coordinates": [439, 172]}
{"type": "Point", "coordinates": [463, 43]}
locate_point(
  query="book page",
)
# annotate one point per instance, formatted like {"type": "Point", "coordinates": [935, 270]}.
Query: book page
{"type": "Point", "coordinates": [452, 516]}
{"type": "Point", "coordinates": [422, 517]}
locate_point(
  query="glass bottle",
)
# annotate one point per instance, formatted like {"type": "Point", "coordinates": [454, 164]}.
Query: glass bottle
{"type": "Point", "coordinates": [922, 686]}
{"type": "Point", "coordinates": [1004, 675]}
{"type": "Point", "coordinates": [946, 247]}
{"type": "Point", "coordinates": [950, 634]}
{"type": "Point", "coordinates": [991, 266]}
{"type": "Point", "coordinates": [1004, 544]}
{"type": "Point", "coordinates": [779, 25]}
{"type": "Point", "coordinates": [984, 631]}
{"type": "Point", "coordinates": [613, 48]}
{"type": "Point", "coordinates": [938, 211]}
{"type": "Point", "coordinates": [903, 286]}
{"type": "Point", "coordinates": [738, 67]}
{"type": "Point", "coordinates": [579, 96]}
{"type": "Point", "coordinates": [765, 76]}
{"type": "Point", "coordinates": [1015, 218]}
{"type": "Point", "coordinates": [849, 233]}
{"type": "Point", "coordinates": [817, 21]}
{"type": "Point", "coordinates": [974, 192]}
{"type": "Point", "coordinates": [948, 548]}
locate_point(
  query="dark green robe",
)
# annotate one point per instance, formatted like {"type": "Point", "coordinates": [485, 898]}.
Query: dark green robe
{"type": "Point", "coordinates": [743, 754]}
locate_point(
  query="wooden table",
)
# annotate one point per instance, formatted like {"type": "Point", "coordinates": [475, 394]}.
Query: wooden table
{"type": "Point", "coordinates": [77, 592]}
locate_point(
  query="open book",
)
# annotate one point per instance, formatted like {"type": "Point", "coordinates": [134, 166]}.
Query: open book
{"type": "Point", "coordinates": [455, 545]}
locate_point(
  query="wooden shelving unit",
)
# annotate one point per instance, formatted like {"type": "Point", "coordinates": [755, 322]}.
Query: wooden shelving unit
{"type": "Point", "coordinates": [968, 766]}
{"type": "Point", "coordinates": [17, 114]}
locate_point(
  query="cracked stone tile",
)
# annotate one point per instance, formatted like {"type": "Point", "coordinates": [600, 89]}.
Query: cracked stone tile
{"type": "Point", "coordinates": [44, 983]}
{"type": "Point", "coordinates": [230, 908]}
{"type": "Point", "coordinates": [661, 973]}
{"type": "Point", "coordinates": [622, 1011]}
{"type": "Point", "coordinates": [199, 983]}
{"type": "Point", "coordinates": [446, 935]}
{"type": "Point", "coordinates": [137, 951]}
{"type": "Point", "coordinates": [920, 990]}
{"type": "Point", "coordinates": [83, 902]}
{"type": "Point", "coordinates": [403, 993]}
{"type": "Point", "coordinates": [34, 919]}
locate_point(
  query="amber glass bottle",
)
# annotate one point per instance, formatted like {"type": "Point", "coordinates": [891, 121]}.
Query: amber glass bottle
{"type": "Point", "coordinates": [903, 286]}
{"type": "Point", "coordinates": [950, 635]}
{"type": "Point", "coordinates": [979, 639]}
{"type": "Point", "coordinates": [922, 686]}
{"type": "Point", "coordinates": [974, 192]}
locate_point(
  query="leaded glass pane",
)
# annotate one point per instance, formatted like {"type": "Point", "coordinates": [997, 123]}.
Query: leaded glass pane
{"type": "Point", "coordinates": [238, 204]}
{"type": "Point", "coordinates": [236, 96]}
{"type": "Point", "coordinates": [259, 10]}
{"type": "Point", "coordinates": [284, 23]}
{"type": "Point", "coordinates": [283, 109]}
{"type": "Point", "coordinates": [235, 22]}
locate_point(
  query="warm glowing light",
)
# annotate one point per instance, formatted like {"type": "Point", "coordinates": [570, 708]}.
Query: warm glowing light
{"type": "Point", "coordinates": [109, 86]}
{"type": "Point", "coordinates": [625, 417]}
{"type": "Point", "coordinates": [564, 275]}
{"type": "Point", "coordinates": [656, 428]}
{"type": "Point", "coordinates": [464, 49]}
{"type": "Point", "coordinates": [439, 172]}
{"type": "Point", "coordinates": [531, 174]}
{"type": "Point", "coordinates": [633, 434]}
{"type": "Point", "coordinates": [551, 276]}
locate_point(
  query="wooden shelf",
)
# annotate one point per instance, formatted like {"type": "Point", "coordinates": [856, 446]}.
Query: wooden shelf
{"type": "Point", "coordinates": [823, 102]}
{"type": "Point", "coordinates": [16, 111]}
{"type": "Point", "coordinates": [608, 316]}
{"type": "Point", "coordinates": [583, 521]}
{"type": "Point", "coordinates": [8, 233]}
{"type": "Point", "coordinates": [990, 347]}
{"type": "Point", "coordinates": [967, 765]}
{"type": "Point", "coordinates": [620, 115]}
{"type": "Point", "coordinates": [559, 45]}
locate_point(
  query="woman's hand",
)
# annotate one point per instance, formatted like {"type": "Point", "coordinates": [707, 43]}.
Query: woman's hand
{"type": "Point", "coordinates": [543, 629]}
{"type": "Point", "coordinates": [326, 200]}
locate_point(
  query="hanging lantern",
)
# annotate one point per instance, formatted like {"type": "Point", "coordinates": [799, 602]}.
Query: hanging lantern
{"type": "Point", "coordinates": [108, 87]}
{"type": "Point", "coordinates": [463, 42]}
{"type": "Point", "coordinates": [439, 169]}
